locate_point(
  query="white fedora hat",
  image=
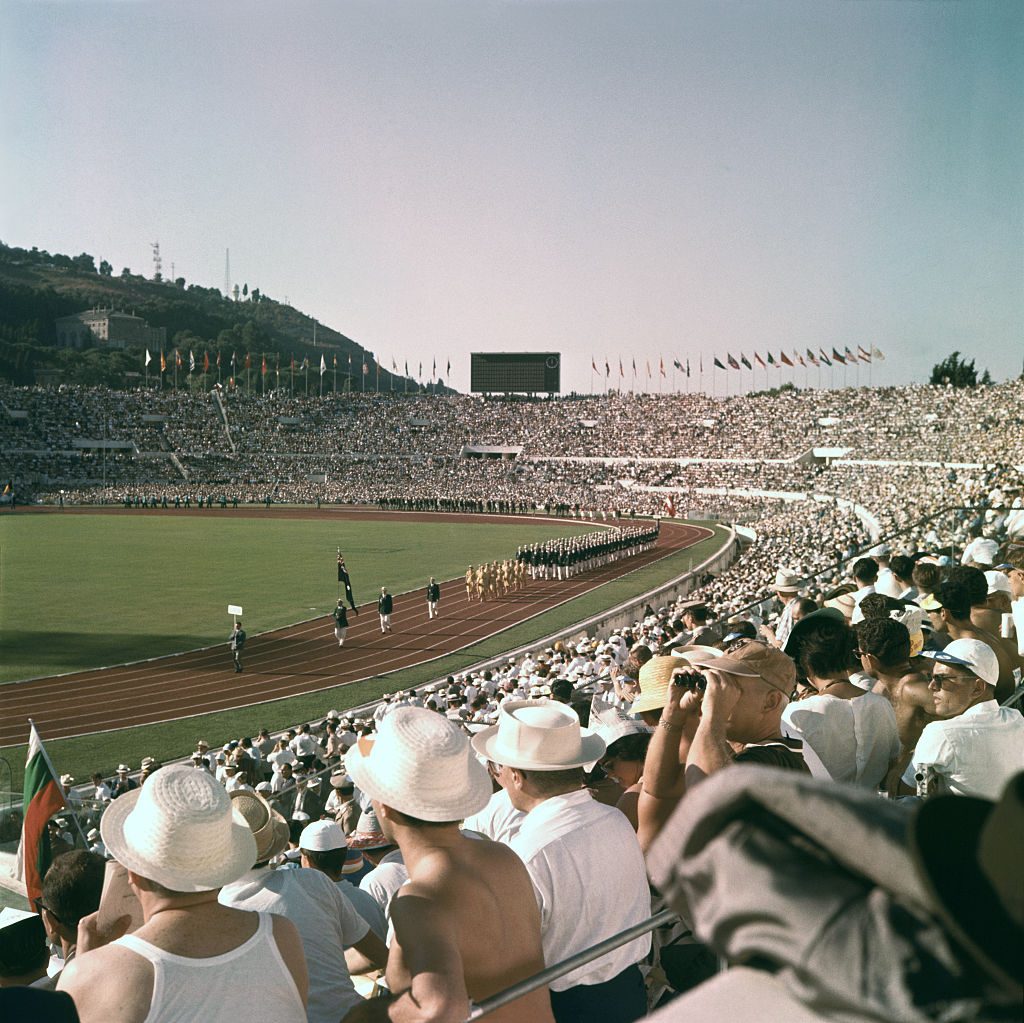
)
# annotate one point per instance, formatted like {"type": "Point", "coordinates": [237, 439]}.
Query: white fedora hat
{"type": "Point", "coordinates": [539, 735]}
{"type": "Point", "coordinates": [421, 764]}
{"type": "Point", "coordinates": [180, 830]}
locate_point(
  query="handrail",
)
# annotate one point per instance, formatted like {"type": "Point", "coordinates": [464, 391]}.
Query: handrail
{"type": "Point", "coordinates": [524, 987]}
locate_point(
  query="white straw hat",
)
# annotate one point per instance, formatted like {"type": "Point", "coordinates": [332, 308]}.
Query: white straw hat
{"type": "Point", "coordinates": [421, 764]}
{"type": "Point", "coordinates": [179, 830]}
{"type": "Point", "coordinates": [539, 735]}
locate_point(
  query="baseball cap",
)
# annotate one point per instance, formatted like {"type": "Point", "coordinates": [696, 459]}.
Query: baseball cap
{"type": "Point", "coordinates": [973, 654]}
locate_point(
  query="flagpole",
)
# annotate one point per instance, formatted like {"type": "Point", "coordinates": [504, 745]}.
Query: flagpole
{"type": "Point", "coordinates": [378, 376]}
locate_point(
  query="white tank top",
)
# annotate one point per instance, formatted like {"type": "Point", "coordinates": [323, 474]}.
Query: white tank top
{"type": "Point", "coordinates": [252, 980]}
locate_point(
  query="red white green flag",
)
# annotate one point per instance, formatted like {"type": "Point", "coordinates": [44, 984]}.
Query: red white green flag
{"type": "Point", "coordinates": [42, 799]}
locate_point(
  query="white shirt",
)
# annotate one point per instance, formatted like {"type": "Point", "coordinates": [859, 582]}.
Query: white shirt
{"type": "Point", "coordinates": [327, 924]}
{"type": "Point", "coordinates": [385, 879]}
{"type": "Point", "coordinates": [589, 878]}
{"type": "Point", "coordinates": [499, 820]}
{"type": "Point", "coordinates": [977, 752]}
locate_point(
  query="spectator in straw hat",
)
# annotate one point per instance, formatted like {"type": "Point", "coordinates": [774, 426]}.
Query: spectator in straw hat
{"type": "Point", "coordinates": [325, 920]}
{"type": "Point", "coordinates": [567, 842]}
{"type": "Point", "coordinates": [465, 926]}
{"type": "Point", "coordinates": [181, 842]}
{"type": "Point", "coordinates": [698, 735]}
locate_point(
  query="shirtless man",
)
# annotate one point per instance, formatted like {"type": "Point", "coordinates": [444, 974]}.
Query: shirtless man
{"type": "Point", "coordinates": [949, 608]}
{"type": "Point", "coordinates": [470, 583]}
{"type": "Point", "coordinates": [466, 925]}
{"type": "Point", "coordinates": [885, 655]}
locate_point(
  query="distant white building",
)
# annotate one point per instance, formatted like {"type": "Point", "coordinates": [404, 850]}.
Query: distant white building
{"type": "Point", "coordinates": [108, 328]}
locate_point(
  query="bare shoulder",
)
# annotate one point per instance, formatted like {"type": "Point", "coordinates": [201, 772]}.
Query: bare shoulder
{"type": "Point", "coordinates": [109, 984]}
{"type": "Point", "coordinates": [914, 690]}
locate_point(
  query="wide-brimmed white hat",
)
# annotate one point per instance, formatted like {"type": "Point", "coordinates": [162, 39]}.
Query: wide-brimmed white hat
{"type": "Point", "coordinates": [180, 830]}
{"type": "Point", "coordinates": [539, 735]}
{"type": "Point", "coordinates": [421, 764]}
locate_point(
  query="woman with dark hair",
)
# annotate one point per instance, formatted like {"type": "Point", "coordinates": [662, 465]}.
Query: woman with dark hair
{"type": "Point", "coordinates": [623, 762]}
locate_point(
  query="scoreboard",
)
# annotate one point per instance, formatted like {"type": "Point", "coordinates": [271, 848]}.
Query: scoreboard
{"type": "Point", "coordinates": [515, 372]}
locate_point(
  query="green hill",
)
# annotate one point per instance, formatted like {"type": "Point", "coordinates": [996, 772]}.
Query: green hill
{"type": "Point", "coordinates": [37, 287]}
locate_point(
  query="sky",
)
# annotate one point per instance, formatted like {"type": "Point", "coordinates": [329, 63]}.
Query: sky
{"type": "Point", "coordinates": [606, 179]}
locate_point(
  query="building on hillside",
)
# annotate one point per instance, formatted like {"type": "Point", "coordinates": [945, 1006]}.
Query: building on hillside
{"type": "Point", "coordinates": [108, 328]}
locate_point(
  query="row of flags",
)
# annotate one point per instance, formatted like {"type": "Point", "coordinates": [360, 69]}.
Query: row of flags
{"type": "Point", "coordinates": [769, 360]}
{"type": "Point", "coordinates": [179, 362]}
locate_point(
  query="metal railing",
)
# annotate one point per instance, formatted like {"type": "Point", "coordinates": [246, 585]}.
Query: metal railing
{"type": "Point", "coordinates": [545, 976]}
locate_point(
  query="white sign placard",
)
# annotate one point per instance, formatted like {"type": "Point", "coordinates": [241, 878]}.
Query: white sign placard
{"type": "Point", "coordinates": [234, 609]}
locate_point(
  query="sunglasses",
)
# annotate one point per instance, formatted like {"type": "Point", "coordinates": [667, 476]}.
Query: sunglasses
{"type": "Point", "coordinates": [40, 906]}
{"type": "Point", "coordinates": [940, 679]}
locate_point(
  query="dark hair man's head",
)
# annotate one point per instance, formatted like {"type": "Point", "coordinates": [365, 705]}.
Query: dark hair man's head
{"type": "Point", "coordinates": [561, 690]}
{"type": "Point", "coordinates": [902, 568]}
{"type": "Point", "coordinates": [885, 639]}
{"type": "Point", "coordinates": [71, 890]}
{"type": "Point", "coordinates": [973, 581]}
{"type": "Point", "coordinates": [954, 599]}
{"type": "Point", "coordinates": [865, 571]}
{"type": "Point", "coordinates": [878, 605]}
{"type": "Point", "coordinates": [926, 576]}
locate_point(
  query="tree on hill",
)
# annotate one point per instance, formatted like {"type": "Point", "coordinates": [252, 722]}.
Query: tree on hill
{"type": "Point", "coordinates": [956, 372]}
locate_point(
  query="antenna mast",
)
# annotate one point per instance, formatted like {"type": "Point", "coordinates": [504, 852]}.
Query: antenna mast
{"type": "Point", "coordinates": [157, 265]}
{"type": "Point", "coordinates": [227, 272]}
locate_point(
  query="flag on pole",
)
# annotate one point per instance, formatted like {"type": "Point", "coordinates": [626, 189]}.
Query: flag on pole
{"type": "Point", "coordinates": [191, 361]}
{"type": "Point", "coordinates": [234, 360]}
{"type": "Point", "coordinates": [836, 357]}
{"type": "Point", "coordinates": [177, 358]}
{"type": "Point", "coordinates": [771, 360]}
{"type": "Point", "coordinates": [850, 357]}
{"type": "Point", "coordinates": [877, 354]}
{"type": "Point", "coordinates": [745, 361]}
{"type": "Point", "coordinates": [433, 371]}
{"type": "Point", "coordinates": [206, 362]}
{"type": "Point", "coordinates": [634, 366]}
{"type": "Point", "coordinates": [733, 364]}
{"type": "Point", "coordinates": [607, 370]}
{"type": "Point", "coordinates": [149, 358]}
{"type": "Point", "coordinates": [760, 360]}
{"type": "Point", "coordinates": [811, 358]}
{"type": "Point", "coordinates": [334, 359]}
{"type": "Point", "coordinates": [784, 358]}
{"type": "Point", "coordinates": [218, 360]}
{"type": "Point", "coordinates": [717, 362]}
{"type": "Point", "coordinates": [661, 365]}
{"type": "Point", "coordinates": [622, 372]}
{"type": "Point", "coordinates": [648, 369]}
{"type": "Point", "coordinates": [670, 507]}
{"type": "Point", "coordinates": [688, 366]}
{"type": "Point", "coordinates": [394, 366]}
{"type": "Point", "coordinates": [263, 368]}
{"type": "Point", "coordinates": [248, 361]}
{"type": "Point", "coordinates": [163, 362]}
{"type": "Point", "coordinates": [42, 798]}
{"type": "Point", "coordinates": [305, 365]}
{"type": "Point", "coordinates": [593, 363]}
{"type": "Point", "coordinates": [678, 365]}
{"type": "Point", "coordinates": [343, 578]}
{"type": "Point", "coordinates": [824, 357]}
{"type": "Point", "coordinates": [865, 356]}
{"type": "Point", "coordinates": [448, 371]}
{"type": "Point", "coordinates": [323, 365]}
{"type": "Point", "coordinates": [419, 376]}
{"type": "Point", "coordinates": [406, 367]}
{"type": "Point", "coordinates": [366, 369]}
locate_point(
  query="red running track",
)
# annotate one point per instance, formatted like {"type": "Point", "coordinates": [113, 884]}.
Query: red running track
{"type": "Point", "coordinates": [302, 658]}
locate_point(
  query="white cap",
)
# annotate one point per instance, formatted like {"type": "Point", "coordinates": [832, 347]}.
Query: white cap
{"type": "Point", "coordinates": [973, 654]}
{"type": "Point", "coordinates": [322, 836]}
{"type": "Point", "coordinates": [998, 583]}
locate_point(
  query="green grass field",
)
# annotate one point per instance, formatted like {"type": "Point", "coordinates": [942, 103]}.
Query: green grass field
{"type": "Point", "coordinates": [86, 591]}
{"type": "Point", "coordinates": [102, 751]}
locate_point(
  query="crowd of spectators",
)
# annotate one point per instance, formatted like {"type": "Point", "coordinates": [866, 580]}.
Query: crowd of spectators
{"type": "Point", "coordinates": [812, 758]}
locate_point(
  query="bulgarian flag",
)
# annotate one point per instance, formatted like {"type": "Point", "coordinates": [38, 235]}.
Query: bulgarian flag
{"type": "Point", "coordinates": [42, 799]}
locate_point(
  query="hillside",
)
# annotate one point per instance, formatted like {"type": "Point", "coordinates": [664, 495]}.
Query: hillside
{"type": "Point", "coordinates": [37, 287]}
